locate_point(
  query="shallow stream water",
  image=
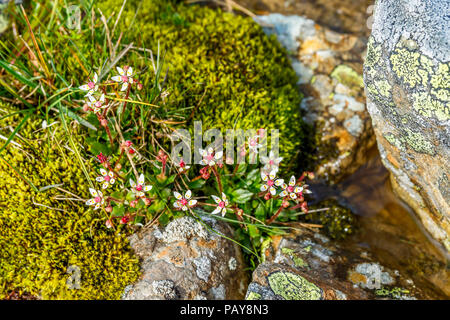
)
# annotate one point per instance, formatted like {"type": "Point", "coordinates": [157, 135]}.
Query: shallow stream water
{"type": "Point", "coordinates": [389, 229]}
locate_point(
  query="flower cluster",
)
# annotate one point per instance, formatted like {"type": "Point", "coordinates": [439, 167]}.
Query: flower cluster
{"type": "Point", "coordinates": [133, 202]}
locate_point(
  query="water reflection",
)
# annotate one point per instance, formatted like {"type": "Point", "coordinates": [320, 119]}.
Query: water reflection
{"type": "Point", "coordinates": [389, 229]}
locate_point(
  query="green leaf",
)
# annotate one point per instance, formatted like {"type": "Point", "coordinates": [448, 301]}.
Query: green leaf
{"type": "Point", "coordinates": [242, 168]}
{"type": "Point", "coordinates": [97, 147]}
{"type": "Point", "coordinates": [197, 184]}
{"type": "Point", "coordinates": [15, 131]}
{"type": "Point", "coordinates": [241, 195]}
{"type": "Point", "coordinates": [118, 211]}
{"type": "Point", "coordinates": [253, 175]}
{"type": "Point", "coordinates": [260, 212]}
{"type": "Point", "coordinates": [253, 231]}
{"type": "Point", "coordinates": [17, 75]}
{"type": "Point", "coordinates": [130, 196]}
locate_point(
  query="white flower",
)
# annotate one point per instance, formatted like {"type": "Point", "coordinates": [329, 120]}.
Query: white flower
{"type": "Point", "coordinates": [182, 167]}
{"type": "Point", "coordinates": [123, 78]}
{"type": "Point", "coordinates": [106, 177]}
{"type": "Point", "coordinates": [98, 200]}
{"type": "Point", "coordinates": [97, 105]}
{"type": "Point", "coordinates": [209, 158]}
{"type": "Point", "coordinates": [221, 204]}
{"type": "Point", "coordinates": [291, 189]}
{"type": "Point", "coordinates": [91, 86]}
{"type": "Point", "coordinates": [270, 182]}
{"type": "Point", "coordinates": [271, 162]}
{"type": "Point", "coordinates": [139, 188]}
{"type": "Point", "coordinates": [184, 203]}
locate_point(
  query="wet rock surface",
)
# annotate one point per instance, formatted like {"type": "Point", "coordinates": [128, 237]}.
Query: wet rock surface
{"type": "Point", "coordinates": [407, 82]}
{"type": "Point", "coordinates": [306, 265]}
{"type": "Point", "coordinates": [329, 67]}
{"type": "Point", "coordinates": [186, 260]}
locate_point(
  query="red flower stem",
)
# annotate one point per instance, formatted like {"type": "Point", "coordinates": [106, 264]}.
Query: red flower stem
{"type": "Point", "coordinates": [196, 178]}
{"type": "Point", "coordinates": [216, 174]}
{"type": "Point", "coordinates": [235, 169]}
{"type": "Point", "coordinates": [120, 157]}
{"type": "Point", "coordinates": [114, 199]}
{"type": "Point", "coordinates": [207, 204]}
{"type": "Point", "coordinates": [109, 135]}
{"type": "Point", "coordinates": [126, 98]}
{"type": "Point", "coordinates": [275, 215]}
{"type": "Point", "coordinates": [100, 118]}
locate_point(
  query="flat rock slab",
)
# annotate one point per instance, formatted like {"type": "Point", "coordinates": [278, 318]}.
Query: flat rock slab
{"type": "Point", "coordinates": [306, 265]}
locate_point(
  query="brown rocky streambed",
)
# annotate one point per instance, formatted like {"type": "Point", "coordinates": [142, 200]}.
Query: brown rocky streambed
{"type": "Point", "coordinates": [388, 229]}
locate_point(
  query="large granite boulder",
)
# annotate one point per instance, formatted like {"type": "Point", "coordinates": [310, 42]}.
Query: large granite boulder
{"type": "Point", "coordinates": [407, 80]}
{"type": "Point", "coordinates": [188, 260]}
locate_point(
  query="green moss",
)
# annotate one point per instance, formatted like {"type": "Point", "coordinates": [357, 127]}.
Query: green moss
{"type": "Point", "coordinates": [41, 237]}
{"type": "Point", "coordinates": [245, 76]}
{"type": "Point", "coordinates": [293, 287]}
{"type": "Point", "coordinates": [338, 222]}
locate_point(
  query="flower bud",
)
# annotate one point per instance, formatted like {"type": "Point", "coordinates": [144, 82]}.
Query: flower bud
{"type": "Point", "coordinates": [85, 107]}
{"type": "Point", "coordinates": [304, 207]}
{"type": "Point", "coordinates": [108, 223]}
{"type": "Point", "coordinates": [103, 122]}
{"type": "Point", "coordinates": [118, 166]}
{"type": "Point", "coordinates": [131, 151]}
{"type": "Point", "coordinates": [139, 86]}
{"type": "Point", "coordinates": [267, 196]}
{"type": "Point", "coordinates": [133, 203]}
{"type": "Point", "coordinates": [109, 209]}
{"type": "Point", "coordinates": [124, 220]}
{"type": "Point", "coordinates": [285, 204]}
{"type": "Point", "coordinates": [206, 175]}
{"type": "Point", "coordinates": [147, 201]}
{"type": "Point", "coordinates": [102, 158]}
{"type": "Point", "coordinates": [128, 143]}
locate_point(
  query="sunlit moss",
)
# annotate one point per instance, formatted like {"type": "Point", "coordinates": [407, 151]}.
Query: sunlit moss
{"type": "Point", "coordinates": [242, 77]}
{"type": "Point", "coordinates": [41, 237]}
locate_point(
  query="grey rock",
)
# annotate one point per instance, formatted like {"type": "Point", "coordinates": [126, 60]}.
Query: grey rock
{"type": "Point", "coordinates": [185, 260]}
{"type": "Point", "coordinates": [407, 81]}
